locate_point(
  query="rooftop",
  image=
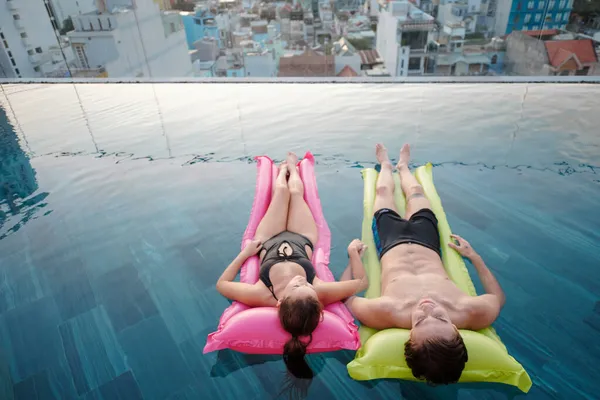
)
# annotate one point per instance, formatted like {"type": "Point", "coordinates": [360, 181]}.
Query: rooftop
{"type": "Point", "coordinates": [309, 63]}
{"type": "Point", "coordinates": [559, 51]}
{"type": "Point", "coordinates": [347, 72]}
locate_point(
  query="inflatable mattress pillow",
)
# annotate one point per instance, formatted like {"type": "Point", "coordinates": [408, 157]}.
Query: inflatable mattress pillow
{"type": "Point", "coordinates": [257, 330]}
{"type": "Point", "coordinates": [381, 354]}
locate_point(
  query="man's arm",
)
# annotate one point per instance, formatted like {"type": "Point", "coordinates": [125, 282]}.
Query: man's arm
{"type": "Point", "coordinates": [484, 309]}
{"type": "Point", "coordinates": [374, 313]}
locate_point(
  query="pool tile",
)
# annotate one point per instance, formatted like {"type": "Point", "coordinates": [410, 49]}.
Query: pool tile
{"type": "Point", "coordinates": [6, 384]}
{"type": "Point", "coordinates": [154, 358]}
{"type": "Point", "coordinates": [123, 387]}
{"type": "Point", "coordinates": [18, 285]}
{"type": "Point", "coordinates": [92, 350]}
{"type": "Point", "coordinates": [75, 296]}
{"type": "Point", "coordinates": [125, 297]}
{"type": "Point", "coordinates": [52, 383]}
{"type": "Point", "coordinates": [29, 335]}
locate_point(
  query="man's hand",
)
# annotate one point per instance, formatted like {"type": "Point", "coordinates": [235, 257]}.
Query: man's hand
{"type": "Point", "coordinates": [356, 246]}
{"type": "Point", "coordinates": [251, 248]}
{"type": "Point", "coordinates": [463, 247]}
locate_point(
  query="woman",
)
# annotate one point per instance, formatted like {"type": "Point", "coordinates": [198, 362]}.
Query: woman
{"type": "Point", "coordinates": [285, 240]}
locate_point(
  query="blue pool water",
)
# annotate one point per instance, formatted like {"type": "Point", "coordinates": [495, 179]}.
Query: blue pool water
{"type": "Point", "coordinates": [120, 206]}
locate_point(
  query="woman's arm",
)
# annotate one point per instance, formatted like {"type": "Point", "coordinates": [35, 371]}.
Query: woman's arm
{"type": "Point", "coordinates": [251, 295]}
{"type": "Point", "coordinates": [330, 292]}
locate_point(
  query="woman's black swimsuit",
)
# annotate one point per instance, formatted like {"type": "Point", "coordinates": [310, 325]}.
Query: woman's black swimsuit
{"type": "Point", "coordinates": [286, 246]}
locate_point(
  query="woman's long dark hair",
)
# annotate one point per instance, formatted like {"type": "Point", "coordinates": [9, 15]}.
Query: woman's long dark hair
{"type": "Point", "coordinates": [299, 317]}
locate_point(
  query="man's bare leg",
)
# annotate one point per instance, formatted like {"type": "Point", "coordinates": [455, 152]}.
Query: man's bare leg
{"type": "Point", "coordinates": [413, 191]}
{"type": "Point", "coordinates": [384, 191]}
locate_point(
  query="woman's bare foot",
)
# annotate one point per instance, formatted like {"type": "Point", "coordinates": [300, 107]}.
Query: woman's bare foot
{"type": "Point", "coordinates": [292, 159]}
{"type": "Point", "coordinates": [404, 157]}
{"type": "Point", "coordinates": [381, 154]}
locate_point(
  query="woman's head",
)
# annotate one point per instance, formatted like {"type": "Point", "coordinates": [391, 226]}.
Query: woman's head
{"type": "Point", "coordinates": [299, 314]}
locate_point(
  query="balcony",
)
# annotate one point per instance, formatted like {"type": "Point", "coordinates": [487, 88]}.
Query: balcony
{"type": "Point", "coordinates": [35, 58]}
{"type": "Point", "coordinates": [12, 5]}
{"type": "Point", "coordinates": [18, 24]}
{"type": "Point", "coordinates": [26, 42]}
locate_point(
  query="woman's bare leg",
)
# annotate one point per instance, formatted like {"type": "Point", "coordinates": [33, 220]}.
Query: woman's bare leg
{"type": "Point", "coordinates": [300, 218]}
{"type": "Point", "coordinates": [275, 219]}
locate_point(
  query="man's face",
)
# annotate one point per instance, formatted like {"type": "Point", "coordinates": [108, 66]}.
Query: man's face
{"type": "Point", "coordinates": [430, 319]}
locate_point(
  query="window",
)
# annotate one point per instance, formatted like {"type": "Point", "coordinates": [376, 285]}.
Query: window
{"type": "Point", "coordinates": [38, 50]}
{"type": "Point", "coordinates": [12, 61]}
{"type": "Point", "coordinates": [536, 28]}
{"type": "Point", "coordinates": [558, 17]}
{"type": "Point", "coordinates": [9, 53]}
{"type": "Point", "coordinates": [563, 4]}
{"type": "Point", "coordinates": [518, 6]}
{"type": "Point", "coordinates": [1, 35]}
{"type": "Point", "coordinates": [24, 35]}
{"type": "Point", "coordinates": [172, 27]}
{"type": "Point", "coordinates": [30, 52]}
{"type": "Point", "coordinates": [541, 5]}
{"type": "Point", "coordinates": [564, 73]}
{"type": "Point", "coordinates": [566, 16]}
{"type": "Point", "coordinates": [5, 44]}
{"type": "Point", "coordinates": [525, 28]}
{"type": "Point", "coordinates": [18, 72]}
{"type": "Point", "coordinates": [552, 4]}
{"type": "Point", "coordinates": [527, 18]}
{"type": "Point", "coordinates": [401, 64]}
{"type": "Point", "coordinates": [16, 17]}
{"type": "Point", "coordinates": [530, 5]}
{"type": "Point", "coordinates": [414, 63]}
{"type": "Point", "coordinates": [81, 56]}
{"type": "Point", "coordinates": [36, 69]}
{"type": "Point", "coordinates": [494, 59]}
{"type": "Point", "coordinates": [516, 19]}
{"type": "Point", "coordinates": [538, 17]}
{"type": "Point", "coordinates": [583, 71]}
{"type": "Point", "coordinates": [472, 8]}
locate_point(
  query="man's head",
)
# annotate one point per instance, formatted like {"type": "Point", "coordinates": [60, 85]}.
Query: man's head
{"type": "Point", "coordinates": [435, 350]}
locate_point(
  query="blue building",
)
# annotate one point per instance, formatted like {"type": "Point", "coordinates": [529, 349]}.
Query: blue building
{"type": "Point", "coordinates": [198, 25]}
{"type": "Point", "coordinates": [531, 15]}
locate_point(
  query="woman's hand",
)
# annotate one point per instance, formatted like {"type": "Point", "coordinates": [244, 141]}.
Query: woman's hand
{"type": "Point", "coordinates": [356, 246]}
{"type": "Point", "coordinates": [251, 248]}
{"type": "Point", "coordinates": [463, 248]}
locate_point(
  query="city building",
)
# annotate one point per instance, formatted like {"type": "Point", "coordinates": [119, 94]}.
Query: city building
{"type": "Point", "coordinates": [531, 15]}
{"type": "Point", "coordinates": [463, 12]}
{"type": "Point", "coordinates": [403, 33]}
{"type": "Point", "coordinates": [345, 55]}
{"type": "Point", "coordinates": [61, 10]}
{"type": "Point", "coordinates": [199, 24]}
{"type": "Point", "coordinates": [526, 54]}
{"type": "Point", "coordinates": [259, 62]}
{"type": "Point", "coordinates": [130, 38]}
{"type": "Point", "coordinates": [308, 64]}
{"type": "Point", "coordinates": [30, 45]}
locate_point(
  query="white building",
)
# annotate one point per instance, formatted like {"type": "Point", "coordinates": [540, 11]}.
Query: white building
{"type": "Point", "coordinates": [260, 64]}
{"type": "Point", "coordinates": [61, 10]}
{"type": "Point", "coordinates": [29, 44]}
{"type": "Point", "coordinates": [345, 55]}
{"type": "Point", "coordinates": [130, 38]}
{"type": "Point", "coordinates": [403, 33]}
{"type": "Point", "coordinates": [452, 12]}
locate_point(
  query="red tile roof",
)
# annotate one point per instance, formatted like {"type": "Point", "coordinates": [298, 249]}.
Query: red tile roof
{"type": "Point", "coordinates": [368, 56]}
{"type": "Point", "coordinates": [347, 72]}
{"type": "Point", "coordinates": [309, 63]}
{"type": "Point", "coordinates": [545, 32]}
{"type": "Point", "coordinates": [560, 51]}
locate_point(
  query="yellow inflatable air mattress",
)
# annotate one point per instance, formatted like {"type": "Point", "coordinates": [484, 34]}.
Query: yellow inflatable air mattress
{"type": "Point", "coordinates": [381, 354]}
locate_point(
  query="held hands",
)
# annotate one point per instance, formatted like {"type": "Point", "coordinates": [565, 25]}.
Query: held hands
{"type": "Point", "coordinates": [356, 246]}
{"type": "Point", "coordinates": [251, 248]}
{"type": "Point", "coordinates": [463, 247]}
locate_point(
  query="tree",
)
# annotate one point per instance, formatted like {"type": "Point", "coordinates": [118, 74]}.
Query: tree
{"type": "Point", "coordinates": [67, 26]}
{"type": "Point", "coordinates": [586, 8]}
{"type": "Point", "coordinates": [360, 44]}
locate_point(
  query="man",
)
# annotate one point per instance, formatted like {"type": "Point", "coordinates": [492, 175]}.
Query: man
{"type": "Point", "coordinates": [416, 292]}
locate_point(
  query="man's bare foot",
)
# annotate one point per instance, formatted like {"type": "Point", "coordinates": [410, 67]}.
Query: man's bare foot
{"type": "Point", "coordinates": [292, 159]}
{"type": "Point", "coordinates": [404, 157]}
{"type": "Point", "coordinates": [381, 154]}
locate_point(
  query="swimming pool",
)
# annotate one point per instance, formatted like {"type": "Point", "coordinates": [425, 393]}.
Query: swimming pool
{"type": "Point", "coordinates": [124, 203]}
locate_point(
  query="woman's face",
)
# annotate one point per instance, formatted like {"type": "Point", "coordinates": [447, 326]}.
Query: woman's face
{"type": "Point", "coordinates": [299, 288]}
